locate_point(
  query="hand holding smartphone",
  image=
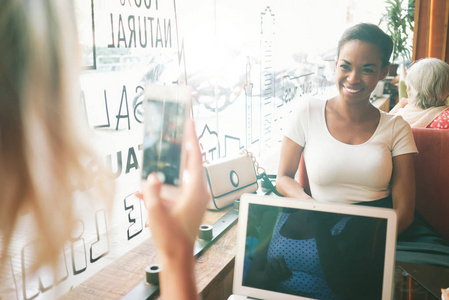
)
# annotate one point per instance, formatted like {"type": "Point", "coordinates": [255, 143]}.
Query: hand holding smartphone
{"type": "Point", "coordinates": [166, 111]}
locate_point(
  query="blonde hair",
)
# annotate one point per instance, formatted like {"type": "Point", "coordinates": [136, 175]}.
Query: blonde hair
{"type": "Point", "coordinates": [45, 157]}
{"type": "Point", "coordinates": [428, 82]}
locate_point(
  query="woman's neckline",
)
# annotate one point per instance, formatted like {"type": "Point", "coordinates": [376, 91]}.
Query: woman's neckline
{"type": "Point", "coordinates": [323, 111]}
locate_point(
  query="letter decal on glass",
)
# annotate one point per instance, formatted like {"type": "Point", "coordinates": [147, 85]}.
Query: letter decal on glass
{"type": "Point", "coordinates": [101, 247]}
{"type": "Point", "coordinates": [135, 218]}
{"type": "Point", "coordinates": [78, 247]}
{"type": "Point", "coordinates": [119, 116]}
{"type": "Point", "coordinates": [30, 282]}
{"type": "Point", "coordinates": [107, 113]}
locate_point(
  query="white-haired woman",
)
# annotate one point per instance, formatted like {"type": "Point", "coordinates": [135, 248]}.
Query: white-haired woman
{"type": "Point", "coordinates": [428, 90]}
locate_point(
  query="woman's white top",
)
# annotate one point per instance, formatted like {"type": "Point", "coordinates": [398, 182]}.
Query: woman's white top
{"type": "Point", "coordinates": [344, 173]}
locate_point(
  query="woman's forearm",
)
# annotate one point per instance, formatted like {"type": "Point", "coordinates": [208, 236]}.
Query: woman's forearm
{"type": "Point", "coordinates": [289, 187]}
{"type": "Point", "coordinates": [177, 278]}
{"type": "Point", "coordinates": [405, 218]}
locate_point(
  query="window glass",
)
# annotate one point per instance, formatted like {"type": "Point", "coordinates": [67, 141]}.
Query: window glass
{"type": "Point", "coordinates": [247, 63]}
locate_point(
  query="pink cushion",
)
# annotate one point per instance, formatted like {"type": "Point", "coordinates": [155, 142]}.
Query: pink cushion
{"type": "Point", "coordinates": [432, 177]}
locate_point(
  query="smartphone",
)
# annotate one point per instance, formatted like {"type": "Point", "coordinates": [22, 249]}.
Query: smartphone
{"type": "Point", "coordinates": [166, 109]}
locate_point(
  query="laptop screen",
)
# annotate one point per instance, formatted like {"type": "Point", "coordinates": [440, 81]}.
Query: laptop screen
{"type": "Point", "coordinates": [319, 251]}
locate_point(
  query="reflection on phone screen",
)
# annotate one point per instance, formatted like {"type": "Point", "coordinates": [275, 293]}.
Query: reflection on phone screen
{"type": "Point", "coordinates": [164, 124]}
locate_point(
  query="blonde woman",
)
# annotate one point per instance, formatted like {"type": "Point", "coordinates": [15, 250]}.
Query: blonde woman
{"type": "Point", "coordinates": [428, 89]}
{"type": "Point", "coordinates": [44, 155]}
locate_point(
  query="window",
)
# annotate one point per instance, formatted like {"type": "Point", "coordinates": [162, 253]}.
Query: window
{"type": "Point", "coordinates": [247, 62]}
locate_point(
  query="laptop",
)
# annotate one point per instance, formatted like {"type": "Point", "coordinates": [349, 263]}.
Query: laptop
{"type": "Point", "coordinates": [299, 249]}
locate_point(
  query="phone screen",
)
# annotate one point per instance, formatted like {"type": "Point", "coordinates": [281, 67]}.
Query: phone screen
{"type": "Point", "coordinates": [166, 110]}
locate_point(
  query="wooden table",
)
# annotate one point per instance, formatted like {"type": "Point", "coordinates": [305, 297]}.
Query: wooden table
{"type": "Point", "coordinates": [214, 269]}
{"type": "Point", "coordinates": [382, 103]}
{"type": "Point", "coordinates": [417, 281]}
{"type": "Point", "coordinates": [214, 272]}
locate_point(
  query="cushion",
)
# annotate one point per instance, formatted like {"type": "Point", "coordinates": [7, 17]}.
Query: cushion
{"type": "Point", "coordinates": [432, 177]}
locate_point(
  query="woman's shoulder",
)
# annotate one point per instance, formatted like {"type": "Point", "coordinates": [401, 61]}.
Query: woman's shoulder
{"type": "Point", "coordinates": [315, 101]}
{"type": "Point", "coordinates": [309, 103]}
{"type": "Point", "coordinates": [392, 119]}
{"type": "Point", "coordinates": [396, 132]}
{"type": "Point", "coordinates": [394, 125]}
{"type": "Point", "coordinates": [442, 121]}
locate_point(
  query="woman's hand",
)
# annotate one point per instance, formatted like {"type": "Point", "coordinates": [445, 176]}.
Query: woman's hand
{"type": "Point", "coordinates": [174, 217]}
{"type": "Point", "coordinates": [277, 271]}
{"type": "Point", "coordinates": [266, 275]}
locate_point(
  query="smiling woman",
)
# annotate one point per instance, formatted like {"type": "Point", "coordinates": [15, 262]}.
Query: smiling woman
{"type": "Point", "coordinates": [358, 70]}
{"type": "Point", "coordinates": [353, 152]}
